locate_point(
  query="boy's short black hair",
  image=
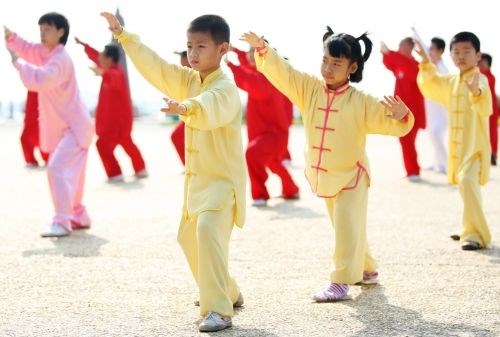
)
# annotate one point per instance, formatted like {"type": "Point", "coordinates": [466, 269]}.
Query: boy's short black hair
{"type": "Point", "coordinates": [183, 53]}
{"type": "Point", "coordinates": [112, 51]}
{"type": "Point", "coordinates": [215, 25]}
{"type": "Point", "coordinates": [487, 58]}
{"type": "Point", "coordinates": [466, 37]}
{"type": "Point", "coordinates": [57, 20]}
{"type": "Point", "coordinates": [439, 42]}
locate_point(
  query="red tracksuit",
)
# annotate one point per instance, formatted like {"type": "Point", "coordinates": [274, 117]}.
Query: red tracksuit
{"type": "Point", "coordinates": [30, 137]}
{"type": "Point", "coordinates": [494, 116]}
{"type": "Point", "coordinates": [113, 118]}
{"type": "Point", "coordinates": [267, 126]}
{"type": "Point", "coordinates": [405, 70]}
{"type": "Point", "coordinates": [177, 137]}
{"type": "Point", "coordinates": [288, 108]}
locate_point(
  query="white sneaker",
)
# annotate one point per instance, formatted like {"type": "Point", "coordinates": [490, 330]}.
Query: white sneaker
{"type": "Point", "coordinates": [333, 293]}
{"type": "Point", "coordinates": [55, 231]}
{"type": "Point", "coordinates": [215, 322]}
{"type": "Point", "coordinates": [414, 178]}
{"type": "Point", "coordinates": [116, 179]}
{"type": "Point", "coordinates": [259, 203]}
{"type": "Point", "coordinates": [31, 165]}
{"type": "Point", "coordinates": [141, 174]}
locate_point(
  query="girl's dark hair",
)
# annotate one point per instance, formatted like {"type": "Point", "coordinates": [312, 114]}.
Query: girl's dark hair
{"type": "Point", "coordinates": [57, 20]}
{"type": "Point", "coordinates": [345, 45]}
{"type": "Point", "coordinates": [112, 51]}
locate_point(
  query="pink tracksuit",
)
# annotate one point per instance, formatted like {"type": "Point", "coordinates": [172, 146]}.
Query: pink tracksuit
{"type": "Point", "coordinates": [66, 128]}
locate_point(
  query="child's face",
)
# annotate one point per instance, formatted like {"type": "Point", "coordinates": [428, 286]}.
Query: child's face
{"type": "Point", "coordinates": [435, 53]}
{"type": "Point", "coordinates": [50, 35]}
{"type": "Point", "coordinates": [336, 70]}
{"type": "Point", "coordinates": [104, 61]}
{"type": "Point", "coordinates": [204, 54]}
{"type": "Point", "coordinates": [464, 56]}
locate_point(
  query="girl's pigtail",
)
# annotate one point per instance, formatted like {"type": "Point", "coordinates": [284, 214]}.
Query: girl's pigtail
{"type": "Point", "coordinates": [368, 45]}
{"type": "Point", "coordinates": [329, 32]}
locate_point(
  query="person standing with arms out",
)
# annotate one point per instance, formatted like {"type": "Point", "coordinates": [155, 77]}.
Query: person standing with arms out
{"type": "Point", "coordinates": [267, 126]}
{"type": "Point", "coordinates": [178, 133]}
{"type": "Point", "coordinates": [114, 115]}
{"type": "Point", "coordinates": [467, 97]}
{"type": "Point", "coordinates": [65, 125]}
{"type": "Point", "coordinates": [30, 137]}
{"type": "Point", "coordinates": [405, 69]}
{"type": "Point", "coordinates": [215, 180]}
{"type": "Point", "coordinates": [485, 68]}
{"type": "Point", "coordinates": [337, 118]}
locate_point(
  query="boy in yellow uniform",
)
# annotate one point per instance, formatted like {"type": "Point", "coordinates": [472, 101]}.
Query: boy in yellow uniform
{"type": "Point", "coordinates": [467, 98]}
{"type": "Point", "coordinates": [214, 195]}
{"type": "Point", "coordinates": [337, 117]}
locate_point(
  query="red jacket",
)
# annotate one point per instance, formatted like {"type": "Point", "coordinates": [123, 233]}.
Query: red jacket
{"type": "Point", "coordinates": [405, 69]}
{"type": "Point", "coordinates": [491, 82]}
{"type": "Point", "coordinates": [265, 107]}
{"type": "Point", "coordinates": [113, 116]}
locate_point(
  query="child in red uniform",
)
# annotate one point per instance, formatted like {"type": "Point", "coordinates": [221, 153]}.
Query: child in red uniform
{"type": "Point", "coordinates": [30, 137]}
{"type": "Point", "coordinates": [267, 125]}
{"type": "Point", "coordinates": [405, 69]}
{"type": "Point", "coordinates": [114, 115]}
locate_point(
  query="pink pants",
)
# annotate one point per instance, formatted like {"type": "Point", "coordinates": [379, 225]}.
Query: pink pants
{"type": "Point", "coordinates": [66, 173]}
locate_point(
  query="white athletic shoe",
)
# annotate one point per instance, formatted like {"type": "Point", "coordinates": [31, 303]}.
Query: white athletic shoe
{"type": "Point", "coordinates": [116, 179]}
{"type": "Point", "coordinates": [215, 322]}
{"type": "Point", "coordinates": [259, 203]}
{"type": "Point", "coordinates": [55, 231]}
{"type": "Point", "coordinates": [141, 174]}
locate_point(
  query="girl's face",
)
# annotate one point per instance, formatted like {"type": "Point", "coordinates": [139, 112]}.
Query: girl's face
{"type": "Point", "coordinates": [50, 35]}
{"type": "Point", "coordinates": [464, 56]}
{"type": "Point", "coordinates": [336, 70]}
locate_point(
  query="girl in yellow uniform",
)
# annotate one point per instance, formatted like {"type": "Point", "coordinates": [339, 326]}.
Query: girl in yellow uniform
{"type": "Point", "coordinates": [337, 117]}
{"type": "Point", "coordinates": [467, 98]}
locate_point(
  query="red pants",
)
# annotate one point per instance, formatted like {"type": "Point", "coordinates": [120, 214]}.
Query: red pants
{"type": "Point", "coordinates": [266, 151]}
{"type": "Point", "coordinates": [106, 146]}
{"type": "Point", "coordinates": [177, 137]}
{"type": "Point", "coordinates": [494, 133]}
{"type": "Point", "coordinates": [30, 141]}
{"type": "Point", "coordinates": [410, 152]}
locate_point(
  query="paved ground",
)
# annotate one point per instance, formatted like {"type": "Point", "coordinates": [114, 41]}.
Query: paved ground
{"type": "Point", "coordinates": [127, 276]}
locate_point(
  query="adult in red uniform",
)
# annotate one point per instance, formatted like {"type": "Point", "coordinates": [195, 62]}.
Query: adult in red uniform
{"type": "Point", "coordinates": [405, 69]}
{"type": "Point", "coordinates": [485, 68]}
{"type": "Point", "coordinates": [114, 114]}
{"type": "Point", "coordinates": [30, 138]}
{"type": "Point", "coordinates": [267, 126]}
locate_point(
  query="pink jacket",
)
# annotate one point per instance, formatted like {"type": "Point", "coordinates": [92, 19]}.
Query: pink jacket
{"type": "Point", "coordinates": [52, 75]}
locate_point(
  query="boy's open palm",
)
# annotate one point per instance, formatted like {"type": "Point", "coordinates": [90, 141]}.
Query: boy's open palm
{"type": "Point", "coordinates": [396, 108]}
{"type": "Point", "coordinates": [474, 84]}
{"type": "Point", "coordinates": [173, 107]}
{"type": "Point", "coordinates": [254, 40]}
{"type": "Point", "coordinates": [114, 25]}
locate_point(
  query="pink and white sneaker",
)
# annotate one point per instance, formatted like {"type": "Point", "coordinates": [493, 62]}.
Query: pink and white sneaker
{"type": "Point", "coordinates": [369, 277]}
{"type": "Point", "coordinates": [334, 292]}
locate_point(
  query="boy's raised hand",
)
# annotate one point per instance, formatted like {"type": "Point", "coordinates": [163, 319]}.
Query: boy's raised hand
{"type": "Point", "coordinates": [173, 107]}
{"type": "Point", "coordinates": [473, 85]}
{"type": "Point", "coordinates": [420, 50]}
{"type": "Point", "coordinates": [6, 32]}
{"type": "Point", "coordinates": [114, 25]}
{"type": "Point", "coordinates": [253, 40]}
{"type": "Point", "coordinates": [396, 108]}
{"type": "Point", "coordinates": [77, 40]}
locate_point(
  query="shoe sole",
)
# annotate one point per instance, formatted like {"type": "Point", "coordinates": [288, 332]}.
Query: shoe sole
{"type": "Point", "coordinates": [345, 298]}
{"type": "Point", "coordinates": [215, 328]}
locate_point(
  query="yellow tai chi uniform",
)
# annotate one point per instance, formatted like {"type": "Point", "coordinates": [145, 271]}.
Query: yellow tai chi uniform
{"type": "Point", "coordinates": [469, 144]}
{"type": "Point", "coordinates": [336, 123]}
{"type": "Point", "coordinates": [215, 178]}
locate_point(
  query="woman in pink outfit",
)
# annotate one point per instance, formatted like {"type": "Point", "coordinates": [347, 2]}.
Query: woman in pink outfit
{"type": "Point", "coordinates": [65, 126]}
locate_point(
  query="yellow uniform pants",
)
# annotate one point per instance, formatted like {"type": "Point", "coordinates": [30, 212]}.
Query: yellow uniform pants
{"type": "Point", "coordinates": [205, 242]}
{"type": "Point", "coordinates": [351, 255]}
{"type": "Point", "coordinates": [474, 226]}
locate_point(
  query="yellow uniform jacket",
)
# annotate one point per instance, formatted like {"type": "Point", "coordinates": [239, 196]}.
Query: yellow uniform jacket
{"type": "Point", "coordinates": [335, 122]}
{"type": "Point", "coordinates": [468, 117]}
{"type": "Point", "coordinates": [215, 165]}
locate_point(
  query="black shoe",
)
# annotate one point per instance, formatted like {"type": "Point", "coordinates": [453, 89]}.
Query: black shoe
{"type": "Point", "coordinates": [494, 159]}
{"type": "Point", "coordinates": [455, 237]}
{"type": "Point", "coordinates": [471, 245]}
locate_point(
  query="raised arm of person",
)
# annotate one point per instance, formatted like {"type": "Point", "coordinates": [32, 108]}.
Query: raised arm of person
{"type": "Point", "coordinates": [34, 53]}
{"type": "Point", "coordinates": [92, 53]}
{"type": "Point", "coordinates": [242, 56]}
{"type": "Point", "coordinates": [296, 85]}
{"type": "Point", "coordinates": [170, 79]}
{"type": "Point", "coordinates": [389, 116]}
{"type": "Point", "coordinates": [480, 95]}
{"type": "Point", "coordinates": [251, 81]}
{"type": "Point", "coordinates": [41, 78]}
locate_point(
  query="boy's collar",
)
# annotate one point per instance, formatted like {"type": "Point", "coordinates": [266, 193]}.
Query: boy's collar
{"type": "Point", "coordinates": [212, 76]}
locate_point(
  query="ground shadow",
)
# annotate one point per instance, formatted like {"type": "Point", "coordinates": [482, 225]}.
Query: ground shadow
{"type": "Point", "coordinates": [79, 244]}
{"type": "Point", "coordinates": [286, 209]}
{"type": "Point", "coordinates": [134, 184]}
{"type": "Point", "coordinates": [383, 319]}
{"type": "Point", "coordinates": [493, 252]}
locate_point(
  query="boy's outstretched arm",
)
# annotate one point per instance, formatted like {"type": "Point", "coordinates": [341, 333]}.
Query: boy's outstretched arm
{"type": "Point", "coordinates": [170, 79]}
